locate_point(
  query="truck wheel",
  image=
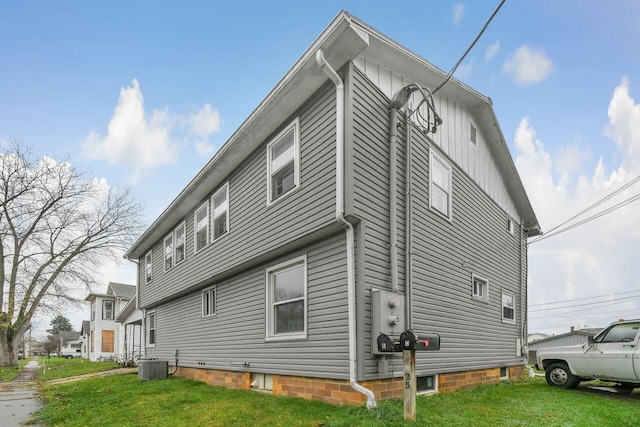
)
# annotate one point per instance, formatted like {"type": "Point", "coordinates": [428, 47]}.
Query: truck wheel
{"type": "Point", "coordinates": [558, 374]}
{"type": "Point", "coordinates": [69, 357]}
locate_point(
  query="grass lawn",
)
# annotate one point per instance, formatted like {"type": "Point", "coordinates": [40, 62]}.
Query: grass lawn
{"type": "Point", "coordinates": [53, 368]}
{"type": "Point", "coordinates": [126, 401]}
{"type": "Point", "coordinates": [9, 373]}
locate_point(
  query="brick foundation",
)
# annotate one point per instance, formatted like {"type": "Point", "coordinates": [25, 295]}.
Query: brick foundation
{"type": "Point", "coordinates": [339, 391]}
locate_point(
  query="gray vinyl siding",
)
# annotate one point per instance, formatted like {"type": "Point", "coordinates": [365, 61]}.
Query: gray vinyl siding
{"type": "Point", "coordinates": [446, 253]}
{"type": "Point", "coordinates": [236, 333]}
{"type": "Point", "coordinates": [256, 229]}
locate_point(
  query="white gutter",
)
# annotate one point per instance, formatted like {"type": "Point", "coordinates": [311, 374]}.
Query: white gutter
{"type": "Point", "coordinates": [351, 282]}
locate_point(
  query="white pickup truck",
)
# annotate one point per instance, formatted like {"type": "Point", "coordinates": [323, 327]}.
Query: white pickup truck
{"type": "Point", "coordinates": [612, 355]}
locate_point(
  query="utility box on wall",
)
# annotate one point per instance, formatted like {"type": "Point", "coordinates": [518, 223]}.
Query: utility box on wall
{"type": "Point", "coordinates": [152, 369]}
{"type": "Point", "coordinates": [387, 316]}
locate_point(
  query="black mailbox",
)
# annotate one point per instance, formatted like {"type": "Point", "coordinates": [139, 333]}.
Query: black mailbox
{"type": "Point", "coordinates": [428, 342]}
{"type": "Point", "coordinates": [407, 340]}
{"type": "Point", "coordinates": [384, 344]}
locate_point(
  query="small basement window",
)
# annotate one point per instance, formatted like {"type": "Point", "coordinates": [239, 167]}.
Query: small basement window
{"type": "Point", "coordinates": [426, 384]}
{"type": "Point", "coordinates": [262, 381]}
{"type": "Point", "coordinates": [504, 373]}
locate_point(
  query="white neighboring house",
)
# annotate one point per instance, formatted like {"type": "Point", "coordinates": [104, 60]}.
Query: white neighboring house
{"type": "Point", "coordinates": [84, 336]}
{"type": "Point", "coordinates": [106, 336]}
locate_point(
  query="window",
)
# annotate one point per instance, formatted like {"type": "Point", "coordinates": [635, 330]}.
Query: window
{"type": "Point", "coordinates": [180, 251]}
{"type": "Point", "coordinates": [287, 300]}
{"type": "Point", "coordinates": [107, 310]}
{"type": "Point", "coordinates": [93, 310]}
{"type": "Point", "coordinates": [220, 203]}
{"type": "Point", "coordinates": [508, 307]}
{"type": "Point", "coordinates": [624, 332]}
{"type": "Point", "coordinates": [504, 373]}
{"type": "Point", "coordinates": [151, 329]}
{"type": "Point", "coordinates": [107, 341]}
{"type": "Point", "coordinates": [426, 384]}
{"type": "Point", "coordinates": [148, 261]}
{"type": "Point", "coordinates": [283, 162]}
{"type": "Point", "coordinates": [209, 302]}
{"type": "Point", "coordinates": [168, 252]}
{"type": "Point", "coordinates": [480, 288]}
{"type": "Point", "coordinates": [473, 137]}
{"type": "Point", "coordinates": [201, 227]}
{"type": "Point", "coordinates": [510, 227]}
{"type": "Point", "coordinates": [439, 185]}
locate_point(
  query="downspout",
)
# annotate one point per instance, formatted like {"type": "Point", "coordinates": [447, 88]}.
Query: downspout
{"type": "Point", "coordinates": [351, 282]}
{"type": "Point", "coordinates": [393, 197]}
{"type": "Point", "coordinates": [408, 221]}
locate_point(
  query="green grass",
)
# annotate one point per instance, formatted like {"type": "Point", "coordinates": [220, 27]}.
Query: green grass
{"type": "Point", "coordinates": [9, 373]}
{"type": "Point", "coordinates": [53, 368]}
{"type": "Point", "coordinates": [126, 401]}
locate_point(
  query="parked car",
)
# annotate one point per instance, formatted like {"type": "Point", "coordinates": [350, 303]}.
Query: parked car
{"type": "Point", "coordinates": [20, 356]}
{"type": "Point", "coordinates": [70, 352]}
{"type": "Point", "coordinates": [612, 355]}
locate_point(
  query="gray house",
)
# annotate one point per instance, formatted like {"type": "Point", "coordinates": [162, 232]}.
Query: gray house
{"type": "Point", "coordinates": [351, 202]}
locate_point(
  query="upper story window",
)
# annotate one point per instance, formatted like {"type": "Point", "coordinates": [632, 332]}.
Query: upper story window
{"type": "Point", "coordinates": [439, 185]}
{"type": "Point", "coordinates": [107, 309]}
{"type": "Point", "coordinates": [220, 203]}
{"type": "Point", "coordinates": [168, 252]}
{"type": "Point", "coordinates": [473, 133]}
{"type": "Point", "coordinates": [93, 310]}
{"type": "Point", "coordinates": [209, 302]}
{"type": "Point", "coordinates": [148, 264]}
{"type": "Point", "coordinates": [508, 307]}
{"type": "Point", "coordinates": [287, 300]}
{"type": "Point", "coordinates": [283, 162]}
{"type": "Point", "coordinates": [511, 229]}
{"type": "Point", "coordinates": [180, 252]}
{"type": "Point", "coordinates": [201, 227]}
{"type": "Point", "coordinates": [480, 288]}
{"type": "Point", "coordinates": [151, 329]}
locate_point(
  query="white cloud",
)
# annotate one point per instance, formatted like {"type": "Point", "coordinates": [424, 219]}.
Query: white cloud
{"type": "Point", "coordinates": [624, 125]}
{"type": "Point", "coordinates": [133, 137]}
{"type": "Point", "coordinates": [527, 65]}
{"type": "Point", "coordinates": [458, 13]}
{"type": "Point", "coordinates": [594, 259]}
{"type": "Point", "coordinates": [142, 141]}
{"type": "Point", "coordinates": [205, 121]}
{"type": "Point", "coordinates": [492, 51]}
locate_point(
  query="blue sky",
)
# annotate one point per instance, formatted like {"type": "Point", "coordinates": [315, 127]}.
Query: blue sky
{"type": "Point", "coordinates": [142, 94]}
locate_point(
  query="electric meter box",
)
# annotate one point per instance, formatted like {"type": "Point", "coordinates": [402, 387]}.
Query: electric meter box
{"type": "Point", "coordinates": [387, 317]}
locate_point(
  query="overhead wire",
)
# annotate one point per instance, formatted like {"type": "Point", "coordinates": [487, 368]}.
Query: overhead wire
{"type": "Point", "coordinates": [587, 209]}
{"type": "Point", "coordinates": [455, 67]}
{"type": "Point", "coordinates": [585, 298]}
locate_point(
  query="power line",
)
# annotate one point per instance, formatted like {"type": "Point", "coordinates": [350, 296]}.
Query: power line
{"type": "Point", "coordinates": [587, 209]}
{"type": "Point", "coordinates": [586, 298]}
{"type": "Point", "coordinates": [586, 304]}
{"type": "Point", "coordinates": [591, 218]}
{"type": "Point", "coordinates": [455, 67]}
{"type": "Point", "coordinates": [604, 304]}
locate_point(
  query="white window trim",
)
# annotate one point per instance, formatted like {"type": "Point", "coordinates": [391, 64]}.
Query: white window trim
{"type": "Point", "coordinates": [205, 205]}
{"type": "Point", "coordinates": [504, 319]}
{"type": "Point", "coordinates": [432, 156]}
{"type": "Point", "coordinates": [148, 330]}
{"type": "Point", "coordinates": [225, 189]}
{"type": "Point", "coordinates": [164, 252]}
{"type": "Point", "coordinates": [183, 225]}
{"type": "Point", "coordinates": [435, 385]}
{"type": "Point", "coordinates": [269, 334]}
{"type": "Point", "coordinates": [208, 291]}
{"type": "Point", "coordinates": [295, 125]}
{"type": "Point", "coordinates": [113, 309]}
{"type": "Point", "coordinates": [485, 297]}
{"type": "Point", "coordinates": [511, 227]}
{"type": "Point", "coordinates": [148, 267]}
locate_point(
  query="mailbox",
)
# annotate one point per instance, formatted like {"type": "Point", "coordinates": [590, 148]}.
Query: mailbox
{"type": "Point", "coordinates": [428, 342]}
{"type": "Point", "coordinates": [384, 344]}
{"type": "Point", "coordinates": [407, 340]}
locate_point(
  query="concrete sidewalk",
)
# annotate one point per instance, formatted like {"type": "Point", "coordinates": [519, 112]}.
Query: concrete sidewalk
{"type": "Point", "coordinates": [19, 398]}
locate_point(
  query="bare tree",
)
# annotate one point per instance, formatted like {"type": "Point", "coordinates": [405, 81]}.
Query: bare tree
{"type": "Point", "coordinates": [56, 227]}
